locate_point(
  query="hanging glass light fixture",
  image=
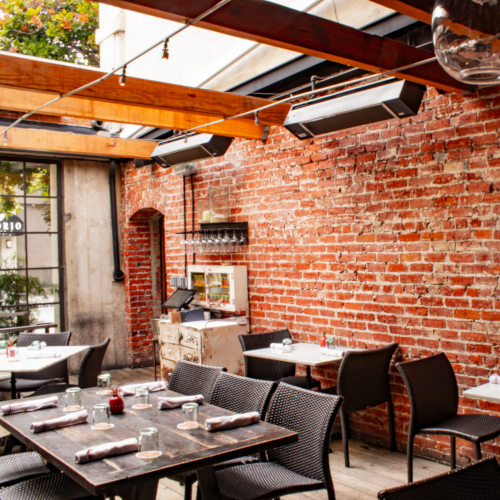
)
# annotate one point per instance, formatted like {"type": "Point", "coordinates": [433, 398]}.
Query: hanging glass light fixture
{"type": "Point", "coordinates": [466, 35]}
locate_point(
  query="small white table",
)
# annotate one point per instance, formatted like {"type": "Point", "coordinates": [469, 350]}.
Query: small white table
{"type": "Point", "coordinates": [310, 355]}
{"type": "Point", "coordinates": [488, 392]}
{"type": "Point", "coordinates": [24, 363]}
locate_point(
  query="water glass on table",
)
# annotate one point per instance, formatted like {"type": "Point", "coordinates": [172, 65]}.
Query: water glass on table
{"type": "Point", "coordinates": [101, 419]}
{"type": "Point", "coordinates": [149, 445]}
{"type": "Point", "coordinates": [189, 416]}
{"type": "Point", "coordinates": [73, 399]}
{"type": "Point", "coordinates": [141, 398]}
{"type": "Point", "coordinates": [104, 383]}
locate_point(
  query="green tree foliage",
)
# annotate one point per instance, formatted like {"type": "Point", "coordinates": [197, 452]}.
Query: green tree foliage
{"type": "Point", "coordinates": [53, 29]}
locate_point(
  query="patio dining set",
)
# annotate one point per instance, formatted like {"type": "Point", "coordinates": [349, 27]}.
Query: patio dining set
{"type": "Point", "coordinates": [263, 435]}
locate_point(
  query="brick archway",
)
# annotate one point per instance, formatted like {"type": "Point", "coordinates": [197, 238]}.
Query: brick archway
{"type": "Point", "coordinates": [143, 282]}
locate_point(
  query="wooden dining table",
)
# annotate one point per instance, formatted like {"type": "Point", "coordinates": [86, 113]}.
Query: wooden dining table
{"type": "Point", "coordinates": [302, 353]}
{"type": "Point", "coordinates": [29, 360]}
{"type": "Point", "coordinates": [128, 476]}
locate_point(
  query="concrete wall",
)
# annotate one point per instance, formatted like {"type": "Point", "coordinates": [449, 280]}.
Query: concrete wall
{"type": "Point", "coordinates": [95, 303]}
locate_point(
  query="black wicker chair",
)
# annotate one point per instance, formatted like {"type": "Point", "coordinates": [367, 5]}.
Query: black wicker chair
{"type": "Point", "coordinates": [30, 381]}
{"type": "Point", "coordinates": [363, 382]}
{"type": "Point", "coordinates": [90, 367]}
{"type": "Point", "coordinates": [292, 468]}
{"type": "Point", "coordinates": [479, 480]}
{"type": "Point", "coordinates": [238, 394]}
{"type": "Point", "coordinates": [20, 466]}
{"type": "Point", "coordinates": [194, 378]}
{"type": "Point", "coordinates": [52, 486]}
{"type": "Point", "coordinates": [433, 391]}
{"type": "Point", "coordinates": [266, 369]}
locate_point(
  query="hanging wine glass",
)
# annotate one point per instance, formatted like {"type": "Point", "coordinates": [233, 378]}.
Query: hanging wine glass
{"type": "Point", "coordinates": [217, 241]}
{"type": "Point", "coordinates": [243, 239]}
{"type": "Point", "coordinates": [234, 241]}
{"type": "Point", "coordinates": [226, 241]}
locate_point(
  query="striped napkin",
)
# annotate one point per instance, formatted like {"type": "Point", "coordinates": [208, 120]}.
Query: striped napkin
{"type": "Point", "coordinates": [167, 403]}
{"type": "Point", "coordinates": [41, 354]}
{"type": "Point", "coordinates": [77, 417]}
{"type": "Point", "coordinates": [105, 450]}
{"type": "Point", "coordinates": [29, 405]}
{"type": "Point", "coordinates": [129, 390]}
{"type": "Point", "coordinates": [231, 421]}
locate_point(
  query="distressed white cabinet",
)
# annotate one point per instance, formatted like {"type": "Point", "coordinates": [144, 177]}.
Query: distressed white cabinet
{"type": "Point", "coordinates": [214, 342]}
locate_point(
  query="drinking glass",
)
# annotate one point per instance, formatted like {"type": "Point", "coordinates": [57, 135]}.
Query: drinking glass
{"type": "Point", "coordinates": [189, 416]}
{"type": "Point", "coordinates": [141, 398]}
{"type": "Point", "coordinates": [101, 419]}
{"type": "Point", "coordinates": [73, 399]}
{"type": "Point", "coordinates": [149, 445]}
{"type": "Point", "coordinates": [104, 383]}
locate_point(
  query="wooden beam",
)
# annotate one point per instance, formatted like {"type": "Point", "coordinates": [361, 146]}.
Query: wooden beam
{"type": "Point", "coordinates": [280, 26]}
{"type": "Point", "coordinates": [41, 74]}
{"type": "Point", "coordinates": [46, 141]}
{"type": "Point", "coordinates": [16, 99]}
{"type": "Point", "coordinates": [418, 9]}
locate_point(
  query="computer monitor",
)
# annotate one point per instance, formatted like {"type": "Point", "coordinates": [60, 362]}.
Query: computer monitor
{"type": "Point", "coordinates": [179, 299]}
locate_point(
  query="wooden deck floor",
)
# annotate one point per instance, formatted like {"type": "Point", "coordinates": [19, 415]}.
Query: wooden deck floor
{"type": "Point", "coordinates": [372, 469]}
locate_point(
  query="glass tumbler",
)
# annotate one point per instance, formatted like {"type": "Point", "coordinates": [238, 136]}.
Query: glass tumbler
{"type": "Point", "coordinates": [189, 416]}
{"type": "Point", "coordinates": [141, 398]}
{"type": "Point", "coordinates": [73, 399]}
{"type": "Point", "coordinates": [149, 446]}
{"type": "Point", "coordinates": [101, 419]}
{"type": "Point", "coordinates": [104, 383]}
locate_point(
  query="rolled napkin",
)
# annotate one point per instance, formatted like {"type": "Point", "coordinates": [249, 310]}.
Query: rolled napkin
{"type": "Point", "coordinates": [494, 378]}
{"type": "Point", "coordinates": [29, 405]}
{"type": "Point", "coordinates": [129, 390]}
{"type": "Point", "coordinates": [41, 354]}
{"type": "Point", "coordinates": [167, 403]}
{"type": "Point", "coordinates": [76, 417]}
{"type": "Point", "coordinates": [106, 450]}
{"type": "Point", "coordinates": [231, 421]}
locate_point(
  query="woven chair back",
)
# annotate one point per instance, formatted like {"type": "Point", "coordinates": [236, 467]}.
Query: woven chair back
{"type": "Point", "coordinates": [194, 378]}
{"type": "Point", "coordinates": [59, 370]}
{"type": "Point", "coordinates": [311, 414]}
{"type": "Point", "coordinates": [265, 369]}
{"type": "Point", "coordinates": [242, 394]}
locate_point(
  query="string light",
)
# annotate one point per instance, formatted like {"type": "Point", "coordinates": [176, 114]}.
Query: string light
{"type": "Point", "coordinates": [123, 77]}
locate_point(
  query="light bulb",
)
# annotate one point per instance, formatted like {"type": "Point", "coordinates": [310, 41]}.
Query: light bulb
{"type": "Point", "coordinates": [466, 36]}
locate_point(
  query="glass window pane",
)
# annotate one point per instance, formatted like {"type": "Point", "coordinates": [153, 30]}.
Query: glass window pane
{"type": "Point", "coordinates": [43, 286]}
{"type": "Point", "coordinates": [12, 298]}
{"type": "Point", "coordinates": [11, 178]}
{"type": "Point", "coordinates": [12, 251]}
{"type": "Point", "coordinates": [48, 313]}
{"type": "Point", "coordinates": [42, 250]}
{"type": "Point", "coordinates": [41, 179]}
{"type": "Point", "coordinates": [41, 215]}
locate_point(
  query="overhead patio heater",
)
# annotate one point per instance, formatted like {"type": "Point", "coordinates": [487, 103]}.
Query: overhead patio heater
{"type": "Point", "coordinates": [191, 147]}
{"type": "Point", "coordinates": [358, 106]}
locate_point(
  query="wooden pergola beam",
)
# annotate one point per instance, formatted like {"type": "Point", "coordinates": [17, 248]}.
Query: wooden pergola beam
{"type": "Point", "coordinates": [280, 26]}
{"type": "Point", "coordinates": [15, 99]}
{"type": "Point", "coordinates": [46, 141]}
{"type": "Point", "coordinates": [418, 9]}
{"type": "Point", "coordinates": [51, 76]}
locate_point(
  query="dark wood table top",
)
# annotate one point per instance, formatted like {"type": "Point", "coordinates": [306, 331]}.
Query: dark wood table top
{"type": "Point", "coordinates": [181, 450]}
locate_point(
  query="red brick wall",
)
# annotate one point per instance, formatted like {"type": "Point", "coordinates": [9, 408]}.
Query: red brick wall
{"type": "Point", "coordinates": [388, 232]}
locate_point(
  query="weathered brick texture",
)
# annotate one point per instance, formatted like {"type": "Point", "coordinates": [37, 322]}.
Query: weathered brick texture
{"type": "Point", "coordinates": [381, 233]}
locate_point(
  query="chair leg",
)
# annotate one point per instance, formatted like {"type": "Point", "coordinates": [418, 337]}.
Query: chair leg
{"type": "Point", "coordinates": [392, 432]}
{"type": "Point", "coordinates": [344, 424]}
{"type": "Point", "coordinates": [477, 447]}
{"type": "Point", "coordinates": [453, 451]}
{"type": "Point", "coordinates": [409, 458]}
